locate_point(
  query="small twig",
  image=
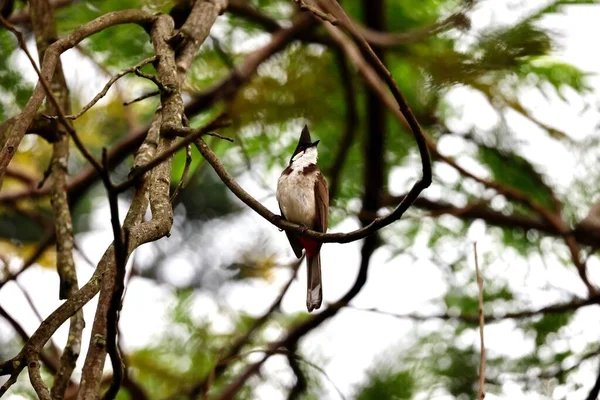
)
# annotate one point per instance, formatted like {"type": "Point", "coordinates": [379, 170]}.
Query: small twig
{"type": "Point", "coordinates": [30, 302]}
{"type": "Point", "coordinates": [153, 79]}
{"type": "Point", "coordinates": [481, 325]}
{"type": "Point", "coordinates": [286, 352]}
{"type": "Point", "coordinates": [323, 15]}
{"type": "Point", "coordinates": [184, 174]}
{"type": "Point", "coordinates": [300, 386]}
{"type": "Point", "coordinates": [190, 135]}
{"type": "Point", "coordinates": [142, 97]}
{"type": "Point", "coordinates": [44, 243]}
{"type": "Point", "coordinates": [214, 134]}
{"type": "Point", "coordinates": [222, 54]}
{"type": "Point", "coordinates": [45, 177]}
{"type": "Point", "coordinates": [107, 87]}
{"type": "Point", "coordinates": [51, 97]}
{"type": "Point", "coordinates": [240, 342]}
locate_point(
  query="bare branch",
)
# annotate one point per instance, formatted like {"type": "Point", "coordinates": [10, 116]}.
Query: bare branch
{"type": "Point", "coordinates": [107, 87]}
{"type": "Point", "coordinates": [481, 326]}
{"type": "Point", "coordinates": [183, 181]}
{"type": "Point", "coordinates": [168, 118]}
{"type": "Point", "coordinates": [42, 246]}
{"type": "Point", "coordinates": [558, 308]}
{"type": "Point", "coordinates": [142, 97]}
{"type": "Point", "coordinates": [152, 79]}
{"type": "Point", "coordinates": [190, 135]}
{"type": "Point", "coordinates": [225, 89]}
{"type": "Point", "coordinates": [235, 348]}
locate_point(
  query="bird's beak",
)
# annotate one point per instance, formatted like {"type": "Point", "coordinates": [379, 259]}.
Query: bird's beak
{"type": "Point", "coordinates": [315, 143]}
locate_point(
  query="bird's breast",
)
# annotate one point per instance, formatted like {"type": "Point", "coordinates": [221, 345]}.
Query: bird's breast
{"type": "Point", "coordinates": [296, 197]}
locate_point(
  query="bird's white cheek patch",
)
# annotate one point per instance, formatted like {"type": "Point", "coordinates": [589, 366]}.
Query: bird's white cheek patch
{"type": "Point", "coordinates": [297, 156]}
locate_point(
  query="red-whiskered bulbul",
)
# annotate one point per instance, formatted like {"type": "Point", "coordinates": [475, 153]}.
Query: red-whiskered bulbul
{"type": "Point", "coordinates": [303, 198]}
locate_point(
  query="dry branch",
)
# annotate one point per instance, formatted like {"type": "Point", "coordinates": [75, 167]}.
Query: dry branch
{"type": "Point", "coordinates": [481, 326]}
{"type": "Point", "coordinates": [44, 27]}
{"type": "Point", "coordinates": [108, 85]}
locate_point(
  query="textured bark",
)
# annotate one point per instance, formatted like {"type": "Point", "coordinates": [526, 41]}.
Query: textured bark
{"type": "Point", "coordinates": [167, 119]}
{"type": "Point", "coordinates": [44, 28]}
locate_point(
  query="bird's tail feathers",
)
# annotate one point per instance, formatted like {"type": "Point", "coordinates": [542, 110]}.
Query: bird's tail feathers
{"type": "Point", "coordinates": [314, 293]}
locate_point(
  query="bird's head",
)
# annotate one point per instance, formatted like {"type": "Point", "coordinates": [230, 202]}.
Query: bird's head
{"type": "Point", "coordinates": [306, 150]}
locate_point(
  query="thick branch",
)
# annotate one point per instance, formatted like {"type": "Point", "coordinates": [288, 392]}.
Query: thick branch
{"type": "Point", "coordinates": [44, 27]}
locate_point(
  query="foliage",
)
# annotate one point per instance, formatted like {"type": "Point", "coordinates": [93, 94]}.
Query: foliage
{"type": "Point", "coordinates": [303, 84]}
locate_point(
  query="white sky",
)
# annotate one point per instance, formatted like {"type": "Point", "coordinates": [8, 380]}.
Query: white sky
{"type": "Point", "coordinates": [347, 345]}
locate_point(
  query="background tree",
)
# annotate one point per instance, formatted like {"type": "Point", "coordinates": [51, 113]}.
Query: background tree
{"type": "Point", "coordinates": [107, 134]}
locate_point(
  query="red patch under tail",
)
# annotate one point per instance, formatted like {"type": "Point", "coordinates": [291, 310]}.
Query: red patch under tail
{"type": "Point", "coordinates": [312, 247]}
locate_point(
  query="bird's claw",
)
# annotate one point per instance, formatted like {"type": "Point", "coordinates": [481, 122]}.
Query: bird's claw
{"type": "Point", "coordinates": [275, 219]}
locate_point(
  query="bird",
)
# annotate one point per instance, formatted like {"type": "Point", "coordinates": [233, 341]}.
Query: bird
{"type": "Point", "coordinates": [303, 198]}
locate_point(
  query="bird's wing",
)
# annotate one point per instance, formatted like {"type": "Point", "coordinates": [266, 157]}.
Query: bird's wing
{"type": "Point", "coordinates": [294, 240]}
{"type": "Point", "coordinates": [322, 204]}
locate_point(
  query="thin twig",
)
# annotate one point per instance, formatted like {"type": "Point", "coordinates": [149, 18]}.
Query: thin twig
{"type": "Point", "coordinates": [300, 386]}
{"type": "Point", "coordinates": [142, 97]}
{"type": "Point", "coordinates": [189, 136]}
{"type": "Point", "coordinates": [51, 97]}
{"type": "Point", "coordinates": [285, 351]}
{"type": "Point", "coordinates": [481, 326]}
{"type": "Point", "coordinates": [214, 134]}
{"type": "Point", "coordinates": [558, 308]}
{"type": "Point", "coordinates": [240, 342]}
{"type": "Point", "coordinates": [183, 181]}
{"type": "Point", "coordinates": [51, 59]}
{"type": "Point", "coordinates": [107, 87]}
{"type": "Point", "coordinates": [151, 78]}
{"type": "Point", "coordinates": [46, 241]}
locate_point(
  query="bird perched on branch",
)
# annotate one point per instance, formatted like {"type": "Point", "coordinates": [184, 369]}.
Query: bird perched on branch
{"type": "Point", "coordinates": [303, 198]}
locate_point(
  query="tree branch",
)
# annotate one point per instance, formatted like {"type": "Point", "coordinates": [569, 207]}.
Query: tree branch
{"type": "Point", "coordinates": [481, 393]}
{"type": "Point", "coordinates": [108, 85]}
{"type": "Point", "coordinates": [235, 348]}
{"type": "Point", "coordinates": [44, 27]}
{"type": "Point", "coordinates": [49, 63]}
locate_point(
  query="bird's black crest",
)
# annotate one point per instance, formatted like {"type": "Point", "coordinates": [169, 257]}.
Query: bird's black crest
{"type": "Point", "coordinates": [305, 137]}
{"type": "Point", "coordinates": [304, 143]}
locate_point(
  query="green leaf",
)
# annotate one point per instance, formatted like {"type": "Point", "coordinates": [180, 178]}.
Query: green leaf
{"type": "Point", "coordinates": [549, 324]}
{"type": "Point", "coordinates": [514, 171]}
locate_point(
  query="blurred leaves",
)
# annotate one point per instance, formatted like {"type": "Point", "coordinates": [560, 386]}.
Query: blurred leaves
{"type": "Point", "coordinates": [516, 172]}
{"type": "Point", "coordinates": [302, 84]}
{"type": "Point", "coordinates": [387, 385]}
